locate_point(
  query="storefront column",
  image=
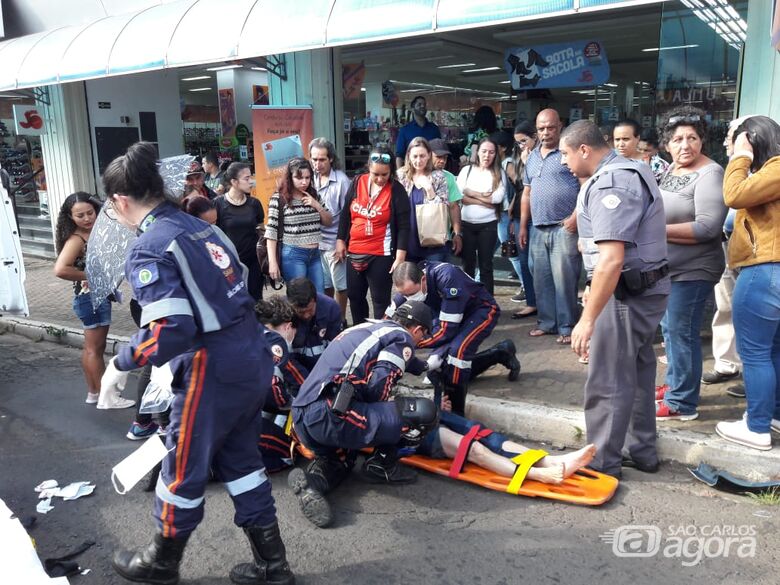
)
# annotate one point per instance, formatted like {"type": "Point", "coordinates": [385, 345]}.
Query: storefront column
{"type": "Point", "coordinates": [67, 154]}
{"type": "Point", "coordinates": [760, 85]}
{"type": "Point", "coordinates": [312, 78]}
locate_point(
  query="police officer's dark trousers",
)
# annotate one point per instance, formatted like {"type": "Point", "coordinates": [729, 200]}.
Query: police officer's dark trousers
{"type": "Point", "coordinates": [620, 390]}
{"type": "Point", "coordinates": [215, 422]}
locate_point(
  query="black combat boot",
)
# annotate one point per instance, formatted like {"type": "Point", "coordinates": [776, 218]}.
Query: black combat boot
{"type": "Point", "coordinates": [158, 563]}
{"type": "Point", "coordinates": [312, 500]}
{"type": "Point", "coordinates": [457, 396]}
{"type": "Point", "coordinates": [270, 564]}
{"type": "Point", "coordinates": [383, 466]}
{"type": "Point", "coordinates": [503, 353]}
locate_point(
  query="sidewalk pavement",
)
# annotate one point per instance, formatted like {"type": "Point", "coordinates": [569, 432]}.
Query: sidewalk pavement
{"type": "Point", "coordinates": [544, 405]}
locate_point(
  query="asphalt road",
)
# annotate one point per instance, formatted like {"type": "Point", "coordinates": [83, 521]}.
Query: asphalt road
{"type": "Point", "coordinates": [434, 531]}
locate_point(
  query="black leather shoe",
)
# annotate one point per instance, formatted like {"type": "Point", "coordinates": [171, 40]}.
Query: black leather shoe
{"type": "Point", "coordinates": [643, 467]}
{"type": "Point", "coordinates": [158, 563]}
{"type": "Point", "coordinates": [738, 390]}
{"type": "Point", "coordinates": [714, 377]}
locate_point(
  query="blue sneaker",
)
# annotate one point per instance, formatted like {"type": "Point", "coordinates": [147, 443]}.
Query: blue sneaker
{"type": "Point", "coordinates": [139, 432]}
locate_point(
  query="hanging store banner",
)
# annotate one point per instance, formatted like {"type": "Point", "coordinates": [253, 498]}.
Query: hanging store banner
{"type": "Point", "coordinates": [227, 112]}
{"type": "Point", "coordinates": [352, 76]}
{"type": "Point", "coordinates": [574, 64]}
{"type": "Point", "coordinates": [28, 120]}
{"type": "Point", "coordinates": [279, 134]}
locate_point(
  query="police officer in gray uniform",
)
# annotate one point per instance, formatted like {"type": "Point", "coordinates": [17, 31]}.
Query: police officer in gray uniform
{"type": "Point", "coordinates": [622, 227]}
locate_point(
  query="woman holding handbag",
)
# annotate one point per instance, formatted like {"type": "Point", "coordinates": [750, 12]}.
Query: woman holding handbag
{"type": "Point", "coordinates": [427, 190]}
{"type": "Point", "coordinates": [373, 234]}
{"type": "Point", "coordinates": [297, 210]}
{"type": "Point", "coordinates": [482, 190]}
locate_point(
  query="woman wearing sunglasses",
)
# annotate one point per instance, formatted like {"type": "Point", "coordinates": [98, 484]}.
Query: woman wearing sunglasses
{"type": "Point", "coordinates": [373, 234]}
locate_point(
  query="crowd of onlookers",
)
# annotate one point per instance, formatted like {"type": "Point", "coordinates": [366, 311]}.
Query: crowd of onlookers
{"type": "Point", "coordinates": [509, 191]}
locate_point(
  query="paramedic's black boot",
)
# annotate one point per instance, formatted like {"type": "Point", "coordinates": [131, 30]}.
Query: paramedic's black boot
{"type": "Point", "coordinates": [158, 563]}
{"type": "Point", "coordinates": [270, 564]}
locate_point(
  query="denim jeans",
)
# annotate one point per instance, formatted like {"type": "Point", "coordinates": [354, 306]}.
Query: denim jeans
{"type": "Point", "coordinates": [297, 262]}
{"type": "Point", "coordinates": [756, 310]}
{"type": "Point", "coordinates": [682, 334]}
{"type": "Point", "coordinates": [556, 271]}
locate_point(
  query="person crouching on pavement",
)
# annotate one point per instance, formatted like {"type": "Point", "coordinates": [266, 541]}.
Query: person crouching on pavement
{"type": "Point", "coordinates": [280, 327]}
{"type": "Point", "coordinates": [319, 320]}
{"type": "Point", "coordinates": [465, 315]}
{"type": "Point", "coordinates": [345, 405]}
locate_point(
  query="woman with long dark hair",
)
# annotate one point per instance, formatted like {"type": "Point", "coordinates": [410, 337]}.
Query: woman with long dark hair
{"type": "Point", "coordinates": [373, 234]}
{"type": "Point", "coordinates": [197, 317]}
{"type": "Point", "coordinates": [752, 186]}
{"type": "Point", "coordinates": [77, 215]}
{"type": "Point", "coordinates": [483, 191]}
{"type": "Point", "coordinates": [296, 207]}
{"type": "Point", "coordinates": [239, 215]}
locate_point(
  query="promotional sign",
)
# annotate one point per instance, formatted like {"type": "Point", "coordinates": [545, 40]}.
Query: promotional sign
{"type": "Point", "coordinates": [574, 64]}
{"type": "Point", "coordinates": [352, 76]}
{"type": "Point", "coordinates": [28, 120]}
{"type": "Point", "coordinates": [280, 133]}
{"type": "Point", "coordinates": [227, 112]}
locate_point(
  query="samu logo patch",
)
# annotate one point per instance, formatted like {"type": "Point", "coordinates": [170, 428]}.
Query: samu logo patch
{"type": "Point", "coordinates": [146, 275]}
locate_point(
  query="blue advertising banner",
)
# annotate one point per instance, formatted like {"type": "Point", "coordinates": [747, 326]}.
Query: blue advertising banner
{"type": "Point", "coordinates": [574, 64]}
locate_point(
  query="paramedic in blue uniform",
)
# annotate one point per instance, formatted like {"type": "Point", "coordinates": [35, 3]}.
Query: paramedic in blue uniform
{"type": "Point", "coordinates": [622, 228]}
{"type": "Point", "coordinates": [464, 315]}
{"type": "Point", "coordinates": [345, 405]}
{"type": "Point", "coordinates": [319, 320]}
{"type": "Point", "coordinates": [197, 315]}
{"type": "Point", "coordinates": [280, 322]}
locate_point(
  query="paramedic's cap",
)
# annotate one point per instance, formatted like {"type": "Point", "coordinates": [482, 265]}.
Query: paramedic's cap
{"type": "Point", "coordinates": [418, 312]}
{"type": "Point", "coordinates": [439, 147]}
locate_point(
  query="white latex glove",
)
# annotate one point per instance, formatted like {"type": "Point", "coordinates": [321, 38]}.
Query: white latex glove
{"type": "Point", "coordinates": [434, 362]}
{"type": "Point", "coordinates": [113, 378]}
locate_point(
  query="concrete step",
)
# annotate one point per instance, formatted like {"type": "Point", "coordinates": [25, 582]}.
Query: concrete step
{"type": "Point", "coordinates": [35, 231]}
{"type": "Point", "coordinates": [37, 247]}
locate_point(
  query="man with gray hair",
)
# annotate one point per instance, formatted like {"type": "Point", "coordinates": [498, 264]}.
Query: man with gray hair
{"type": "Point", "coordinates": [622, 234]}
{"type": "Point", "coordinates": [332, 186]}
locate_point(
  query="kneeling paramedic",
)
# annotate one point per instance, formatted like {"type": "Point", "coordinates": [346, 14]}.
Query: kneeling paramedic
{"type": "Point", "coordinates": [344, 405]}
{"type": "Point", "coordinates": [197, 315]}
{"type": "Point", "coordinates": [465, 314]}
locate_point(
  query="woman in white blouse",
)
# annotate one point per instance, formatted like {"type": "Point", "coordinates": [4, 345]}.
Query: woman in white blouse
{"type": "Point", "coordinates": [483, 190]}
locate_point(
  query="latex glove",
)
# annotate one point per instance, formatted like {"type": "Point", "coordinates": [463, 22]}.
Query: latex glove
{"type": "Point", "coordinates": [434, 362]}
{"type": "Point", "coordinates": [162, 376]}
{"type": "Point", "coordinates": [113, 379]}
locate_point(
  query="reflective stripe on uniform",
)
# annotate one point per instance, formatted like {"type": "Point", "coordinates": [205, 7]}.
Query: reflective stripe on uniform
{"type": "Point", "coordinates": [280, 420]}
{"type": "Point", "coordinates": [451, 317]}
{"type": "Point", "coordinates": [458, 363]}
{"type": "Point", "coordinates": [207, 315]}
{"type": "Point", "coordinates": [247, 483]}
{"type": "Point", "coordinates": [396, 360]}
{"type": "Point", "coordinates": [310, 351]}
{"type": "Point", "coordinates": [365, 346]}
{"type": "Point", "coordinates": [278, 373]}
{"type": "Point", "coordinates": [165, 308]}
{"type": "Point", "coordinates": [165, 495]}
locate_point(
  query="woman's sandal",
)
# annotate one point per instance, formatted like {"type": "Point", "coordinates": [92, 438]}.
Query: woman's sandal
{"type": "Point", "coordinates": [523, 313]}
{"type": "Point", "coordinates": [538, 332]}
{"type": "Point", "coordinates": [563, 340]}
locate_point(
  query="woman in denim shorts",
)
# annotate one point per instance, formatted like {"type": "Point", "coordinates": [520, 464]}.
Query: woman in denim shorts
{"type": "Point", "coordinates": [74, 225]}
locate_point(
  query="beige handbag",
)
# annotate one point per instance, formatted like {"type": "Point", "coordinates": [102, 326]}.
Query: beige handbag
{"type": "Point", "coordinates": [432, 222]}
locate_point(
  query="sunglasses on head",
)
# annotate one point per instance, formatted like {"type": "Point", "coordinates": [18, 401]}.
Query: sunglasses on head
{"type": "Point", "coordinates": [684, 119]}
{"type": "Point", "coordinates": [380, 157]}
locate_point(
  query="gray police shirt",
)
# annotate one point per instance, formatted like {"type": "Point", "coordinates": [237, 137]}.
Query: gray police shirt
{"type": "Point", "coordinates": [616, 204]}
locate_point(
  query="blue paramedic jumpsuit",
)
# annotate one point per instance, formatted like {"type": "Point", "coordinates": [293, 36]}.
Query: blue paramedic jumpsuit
{"type": "Point", "coordinates": [621, 202]}
{"type": "Point", "coordinates": [464, 315]}
{"type": "Point", "coordinates": [373, 355]}
{"type": "Point", "coordinates": [275, 443]}
{"type": "Point", "coordinates": [314, 335]}
{"type": "Point", "coordinates": [198, 315]}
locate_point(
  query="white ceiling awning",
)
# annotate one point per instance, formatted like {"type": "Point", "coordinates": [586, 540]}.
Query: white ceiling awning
{"type": "Point", "coordinates": [190, 32]}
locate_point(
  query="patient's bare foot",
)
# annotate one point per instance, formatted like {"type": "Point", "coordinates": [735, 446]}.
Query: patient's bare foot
{"type": "Point", "coordinates": [552, 474]}
{"type": "Point", "coordinates": [576, 460]}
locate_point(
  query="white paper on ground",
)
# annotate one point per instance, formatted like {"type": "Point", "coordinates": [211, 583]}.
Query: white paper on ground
{"type": "Point", "coordinates": [46, 485]}
{"type": "Point", "coordinates": [135, 466]}
{"type": "Point", "coordinates": [19, 562]}
{"type": "Point", "coordinates": [44, 506]}
{"type": "Point", "coordinates": [75, 490]}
